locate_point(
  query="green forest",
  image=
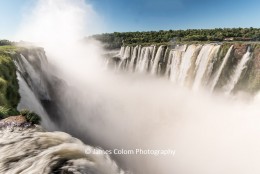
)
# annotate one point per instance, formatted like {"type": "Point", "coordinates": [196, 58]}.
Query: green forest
{"type": "Point", "coordinates": [117, 39]}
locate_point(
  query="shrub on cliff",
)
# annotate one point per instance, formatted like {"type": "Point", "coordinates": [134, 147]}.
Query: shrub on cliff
{"type": "Point", "coordinates": [3, 112]}
{"type": "Point", "coordinates": [5, 42]}
{"type": "Point", "coordinates": [31, 116]}
{"type": "Point", "coordinates": [6, 112]}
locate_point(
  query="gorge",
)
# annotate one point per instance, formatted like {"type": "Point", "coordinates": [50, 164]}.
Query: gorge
{"type": "Point", "coordinates": [105, 110]}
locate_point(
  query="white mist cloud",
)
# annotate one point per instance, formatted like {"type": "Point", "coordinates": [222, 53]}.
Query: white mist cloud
{"type": "Point", "coordinates": [59, 21]}
{"type": "Point", "coordinates": [209, 133]}
{"type": "Point", "coordinates": [58, 26]}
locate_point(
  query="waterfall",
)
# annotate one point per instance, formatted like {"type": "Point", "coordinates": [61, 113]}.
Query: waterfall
{"type": "Point", "coordinates": [175, 58]}
{"type": "Point", "coordinates": [205, 56]}
{"type": "Point", "coordinates": [31, 69]}
{"type": "Point", "coordinates": [216, 78]}
{"type": "Point", "coordinates": [121, 52]}
{"type": "Point", "coordinates": [193, 66]}
{"type": "Point", "coordinates": [124, 54]}
{"type": "Point", "coordinates": [154, 52]}
{"type": "Point", "coordinates": [144, 59]}
{"type": "Point", "coordinates": [34, 79]}
{"type": "Point", "coordinates": [168, 65]}
{"type": "Point", "coordinates": [127, 53]}
{"type": "Point", "coordinates": [238, 71]}
{"type": "Point", "coordinates": [213, 56]}
{"type": "Point", "coordinates": [186, 63]}
{"type": "Point", "coordinates": [156, 60]}
{"type": "Point", "coordinates": [133, 58]}
{"type": "Point", "coordinates": [30, 101]}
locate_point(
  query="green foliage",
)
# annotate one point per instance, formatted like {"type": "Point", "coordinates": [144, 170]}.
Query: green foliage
{"type": "Point", "coordinates": [9, 48]}
{"type": "Point", "coordinates": [6, 111]}
{"type": "Point", "coordinates": [9, 95]}
{"type": "Point", "coordinates": [5, 42]}
{"type": "Point", "coordinates": [31, 116]}
{"type": "Point", "coordinates": [116, 39]}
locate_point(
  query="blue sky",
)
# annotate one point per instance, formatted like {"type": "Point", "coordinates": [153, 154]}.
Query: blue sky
{"type": "Point", "coordinates": [143, 15]}
{"type": "Point", "coordinates": [134, 15]}
{"type": "Point", "coordinates": [11, 14]}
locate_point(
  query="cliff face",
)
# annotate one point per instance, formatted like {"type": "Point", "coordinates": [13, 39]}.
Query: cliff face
{"type": "Point", "coordinates": [254, 71]}
{"type": "Point", "coordinates": [250, 77]}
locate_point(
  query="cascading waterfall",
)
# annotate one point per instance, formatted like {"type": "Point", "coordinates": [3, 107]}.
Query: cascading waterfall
{"type": "Point", "coordinates": [187, 62]}
{"type": "Point", "coordinates": [208, 73]}
{"type": "Point", "coordinates": [34, 80]}
{"type": "Point", "coordinates": [133, 58]}
{"type": "Point", "coordinates": [144, 61]}
{"type": "Point", "coordinates": [168, 65]}
{"type": "Point", "coordinates": [185, 65]}
{"type": "Point", "coordinates": [32, 87]}
{"type": "Point", "coordinates": [205, 56]}
{"type": "Point", "coordinates": [139, 58]}
{"type": "Point", "coordinates": [175, 59]}
{"type": "Point", "coordinates": [30, 101]}
{"type": "Point", "coordinates": [238, 71]}
{"type": "Point", "coordinates": [121, 52]}
{"type": "Point", "coordinates": [126, 54]}
{"type": "Point", "coordinates": [156, 59]}
{"type": "Point", "coordinates": [216, 78]}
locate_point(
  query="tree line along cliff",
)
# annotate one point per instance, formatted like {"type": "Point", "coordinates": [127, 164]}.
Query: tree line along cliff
{"type": "Point", "coordinates": [117, 39]}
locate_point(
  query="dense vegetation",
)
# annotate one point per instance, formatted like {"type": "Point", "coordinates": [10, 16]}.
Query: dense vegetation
{"type": "Point", "coordinates": [9, 87]}
{"type": "Point", "coordinates": [30, 116]}
{"type": "Point", "coordinates": [116, 39]}
{"type": "Point", "coordinates": [5, 42]}
{"type": "Point", "coordinates": [9, 95]}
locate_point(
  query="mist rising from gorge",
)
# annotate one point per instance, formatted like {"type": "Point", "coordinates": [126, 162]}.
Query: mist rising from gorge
{"type": "Point", "coordinates": [210, 133]}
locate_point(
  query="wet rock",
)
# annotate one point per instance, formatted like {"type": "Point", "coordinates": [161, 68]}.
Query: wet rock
{"type": "Point", "coordinates": [15, 121]}
{"type": "Point", "coordinates": [239, 50]}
